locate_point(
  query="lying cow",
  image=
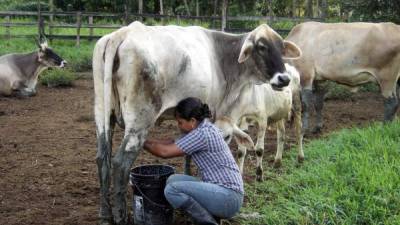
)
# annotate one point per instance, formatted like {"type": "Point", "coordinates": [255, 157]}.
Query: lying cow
{"type": "Point", "coordinates": [140, 71]}
{"type": "Point", "coordinates": [351, 54]}
{"type": "Point", "coordinates": [19, 72]}
{"type": "Point", "coordinates": [265, 106]}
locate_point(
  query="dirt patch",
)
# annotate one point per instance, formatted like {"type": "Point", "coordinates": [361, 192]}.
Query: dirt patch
{"type": "Point", "coordinates": [48, 148]}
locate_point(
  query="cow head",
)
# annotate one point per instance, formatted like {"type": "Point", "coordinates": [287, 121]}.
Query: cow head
{"type": "Point", "coordinates": [267, 50]}
{"type": "Point", "coordinates": [231, 130]}
{"type": "Point", "coordinates": [48, 57]}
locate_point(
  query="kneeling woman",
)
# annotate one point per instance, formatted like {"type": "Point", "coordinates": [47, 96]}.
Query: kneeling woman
{"type": "Point", "coordinates": [219, 192]}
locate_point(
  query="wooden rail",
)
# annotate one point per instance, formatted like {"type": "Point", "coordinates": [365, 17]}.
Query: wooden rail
{"type": "Point", "coordinates": [85, 20]}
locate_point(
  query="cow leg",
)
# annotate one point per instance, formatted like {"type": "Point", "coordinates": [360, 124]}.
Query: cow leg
{"type": "Point", "coordinates": [122, 162]}
{"type": "Point", "coordinates": [319, 105]}
{"type": "Point", "coordinates": [306, 100]}
{"type": "Point", "coordinates": [280, 142]}
{"type": "Point", "coordinates": [262, 127]}
{"type": "Point", "coordinates": [103, 160]}
{"type": "Point", "coordinates": [297, 121]}
{"type": "Point", "coordinates": [188, 160]}
{"type": "Point", "coordinates": [390, 91]}
{"type": "Point", "coordinates": [391, 105]}
{"type": "Point", "coordinates": [242, 150]}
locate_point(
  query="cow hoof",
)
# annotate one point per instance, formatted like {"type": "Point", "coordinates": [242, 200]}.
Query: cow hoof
{"type": "Point", "coordinates": [106, 222]}
{"type": "Point", "coordinates": [277, 164]}
{"type": "Point", "coordinates": [300, 159]}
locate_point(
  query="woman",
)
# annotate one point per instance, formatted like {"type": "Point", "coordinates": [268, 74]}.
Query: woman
{"type": "Point", "coordinates": [219, 191]}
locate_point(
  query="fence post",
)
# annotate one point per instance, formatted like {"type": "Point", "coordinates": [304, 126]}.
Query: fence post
{"type": "Point", "coordinates": [78, 28]}
{"type": "Point", "coordinates": [91, 27]}
{"type": "Point", "coordinates": [224, 14]}
{"type": "Point", "coordinates": [126, 14]}
{"type": "Point", "coordinates": [8, 22]}
{"type": "Point", "coordinates": [51, 18]}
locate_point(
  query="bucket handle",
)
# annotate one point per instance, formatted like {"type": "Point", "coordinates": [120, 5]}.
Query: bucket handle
{"type": "Point", "coordinates": [147, 198]}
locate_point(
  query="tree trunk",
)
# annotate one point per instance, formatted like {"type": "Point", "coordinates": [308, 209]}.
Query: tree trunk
{"type": "Point", "coordinates": [197, 8]}
{"type": "Point", "coordinates": [162, 11]}
{"type": "Point", "coordinates": [294, 7]}
{"type": "Point", "coordinates": [214, 13]}
{"type": "Point", "coordinates": [215, 7]}
{"type": "Point", "coordinates": [224, 14]}
{"type": "Point", "coordinates": [309, 11]}
{"type": "Point", "coordinates": [270, 9]}
{"type": "Point", "coordinates": [140, 10]}
{"type": "Point", "coordinates": [324, 9]}
{"type": "Point", "coordinates": [187, 7]}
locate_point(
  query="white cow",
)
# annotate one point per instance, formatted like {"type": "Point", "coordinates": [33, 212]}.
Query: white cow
{"type": "Point", "coordinates": [141, 71]}
{"type": "Point", "coordinates": [265, 106]}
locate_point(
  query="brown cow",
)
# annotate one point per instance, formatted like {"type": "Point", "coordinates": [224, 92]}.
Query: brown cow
{"type": "Point", "coordinates": [347, 53]}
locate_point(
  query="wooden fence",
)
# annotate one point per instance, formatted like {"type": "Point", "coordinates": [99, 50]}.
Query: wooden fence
{"type": "Point", "coordinates": [45, 21]}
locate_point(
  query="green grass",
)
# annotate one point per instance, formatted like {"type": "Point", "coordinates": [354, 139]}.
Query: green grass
{"type": "Point", "coordinates": [351, 177]}
{"type": "Point", "coordinates": [57, 78]}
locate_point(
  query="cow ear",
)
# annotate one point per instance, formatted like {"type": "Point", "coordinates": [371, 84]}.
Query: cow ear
{"type": "Point", "coordinates": [290, 50]}
{"type": "Point", "coordinates": [245, 52]}
{"type": "Point", "coordinates": [242, 138]}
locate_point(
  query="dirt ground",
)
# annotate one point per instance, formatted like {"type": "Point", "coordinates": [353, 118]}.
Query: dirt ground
{"type": "Point", "coordinates": [48, 173]}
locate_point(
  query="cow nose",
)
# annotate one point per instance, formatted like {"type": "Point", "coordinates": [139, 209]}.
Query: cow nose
{"type": "Point", "coordinates": [284, 80]}
{"type": "Point", "coordinates": [63, 64]}
{"type": "Point", "coordinates": [280, 81]}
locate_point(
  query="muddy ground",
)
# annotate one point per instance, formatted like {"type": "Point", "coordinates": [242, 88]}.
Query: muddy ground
{"type": "Point", "coordinates": [48, 173]}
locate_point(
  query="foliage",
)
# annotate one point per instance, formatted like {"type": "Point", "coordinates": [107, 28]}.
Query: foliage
{"type": "Point", "coordinates": [350, 177]}
{"type": "Point", "coordinates": [23, 5]}
{"type": "Point", "coordinates": [372, 10]}
{"type": "Point", "coordinates": [57, 78]}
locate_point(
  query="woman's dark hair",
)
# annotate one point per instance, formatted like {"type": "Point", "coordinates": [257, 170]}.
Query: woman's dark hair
{"type": "Point", "coordinates": [192, 108]}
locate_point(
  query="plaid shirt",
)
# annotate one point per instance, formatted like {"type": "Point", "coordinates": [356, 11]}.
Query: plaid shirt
{"type": "Point", "coordinates": [212, 156]}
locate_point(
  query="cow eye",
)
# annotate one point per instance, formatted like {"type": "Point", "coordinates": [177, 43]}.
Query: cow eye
{"type": "Point", "coordinates": [261, 48]}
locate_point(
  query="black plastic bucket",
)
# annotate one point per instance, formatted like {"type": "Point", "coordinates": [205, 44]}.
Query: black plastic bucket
{"type": "Point", "coordinates": [149, 204]}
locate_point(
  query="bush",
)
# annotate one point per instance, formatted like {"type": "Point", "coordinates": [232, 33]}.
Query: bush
{"type": "Point", "coordinates": [57, 78]}
{"type": "Point", "coordinates": [337, 91]}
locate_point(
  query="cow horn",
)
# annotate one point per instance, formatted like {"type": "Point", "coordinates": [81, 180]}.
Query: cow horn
{"type": "Point", "coordinates": [37, 42]}
{"type": "Point", "coordinates": [43, 38]}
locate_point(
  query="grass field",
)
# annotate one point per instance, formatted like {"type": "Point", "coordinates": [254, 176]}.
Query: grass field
{"type": "Point", "coordinates": [350, 177]}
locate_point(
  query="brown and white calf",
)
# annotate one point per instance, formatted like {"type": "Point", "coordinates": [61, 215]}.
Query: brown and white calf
{"type": "Point", "coordinates": [265, 106]}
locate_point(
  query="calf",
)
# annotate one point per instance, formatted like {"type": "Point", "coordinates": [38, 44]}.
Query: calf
{"type": "Point", "coordinates": [19, 72]}
{"type": "Point", "coordinates": [265, 106]}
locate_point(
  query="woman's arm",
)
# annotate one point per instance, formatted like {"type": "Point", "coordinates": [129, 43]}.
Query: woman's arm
{"type": "Point", "coordinates": [163, 150]}
{"type": "Point", "coordinates": [161, 141]}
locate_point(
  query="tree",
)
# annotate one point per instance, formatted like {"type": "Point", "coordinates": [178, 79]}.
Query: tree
{"type": "Point", "coordinates": [372, 10]}
{"type": "Point", "coordinates": [309, 8]}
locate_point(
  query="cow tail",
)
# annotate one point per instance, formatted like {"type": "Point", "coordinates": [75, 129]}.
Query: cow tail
{"type": "Point", "coordinates": [98, 80]}
{"type": "Point", "coordinates": [109, 67]}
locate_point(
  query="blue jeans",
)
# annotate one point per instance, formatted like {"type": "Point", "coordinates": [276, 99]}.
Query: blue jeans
{"type": "Point", "coordinates": [219, 201]}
